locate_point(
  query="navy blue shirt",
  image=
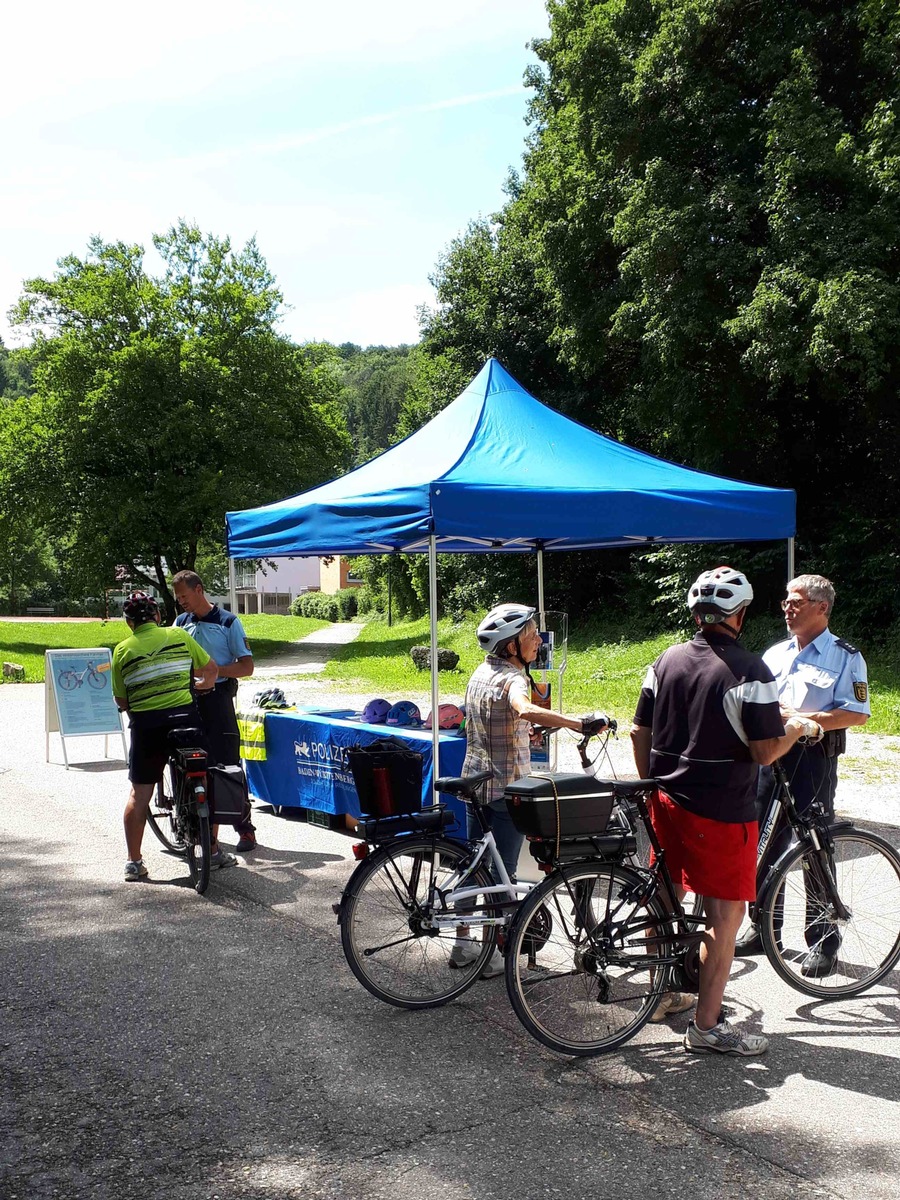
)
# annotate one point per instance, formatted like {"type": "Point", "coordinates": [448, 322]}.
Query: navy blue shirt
{"type": "Point", "coordinates": [705, 701]}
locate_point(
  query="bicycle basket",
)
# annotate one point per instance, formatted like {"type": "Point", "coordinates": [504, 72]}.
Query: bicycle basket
{"type": "Point", "coordinates": [548, 807]}
{"type": "Point", "coordinates": [388, 777]}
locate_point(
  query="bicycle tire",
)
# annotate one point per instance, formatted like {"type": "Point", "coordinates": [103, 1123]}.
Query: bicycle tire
{"type": "Point", "coordinates": [793, 918]}
{"type": "Point", "coordinates": [382, 935]}
{"type": "Point", "coordinates": [96, 680]}
{"type": "Point", "coordinates": [161, 815]}
{"type": "Point", "coordinates": [198, 849]}
{"type": "Point", "coordinates": [68, 680]}
{"type": "Point", "coordinates": [593, 989]}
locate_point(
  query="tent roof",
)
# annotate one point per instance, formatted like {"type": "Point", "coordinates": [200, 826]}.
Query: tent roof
{"type": "Point", "coordinates": [498, 470]}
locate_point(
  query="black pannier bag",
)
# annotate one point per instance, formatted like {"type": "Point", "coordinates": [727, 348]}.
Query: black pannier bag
{"type": "Point", "coordinates": [229, 797]}
{"type": "Point", "coordinates": [388, 777]}
{"type": "Point", "coordinates": [556, 806]}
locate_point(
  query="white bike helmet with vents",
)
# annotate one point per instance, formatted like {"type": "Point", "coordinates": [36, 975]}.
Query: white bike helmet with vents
{"type": "Point", "coordinates": [503, 623]}
{"type": "Point", "coordinates": [718, 594]}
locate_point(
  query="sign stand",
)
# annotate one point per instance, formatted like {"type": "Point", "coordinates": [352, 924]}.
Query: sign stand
{"type": "Point", "coordinates": [78, 699]}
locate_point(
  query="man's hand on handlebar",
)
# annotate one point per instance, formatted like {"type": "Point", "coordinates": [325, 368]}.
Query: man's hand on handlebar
{"type": "Point", "coordinates": [595, 723]}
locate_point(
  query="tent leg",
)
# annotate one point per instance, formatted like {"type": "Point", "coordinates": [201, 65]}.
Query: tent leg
{"type": "Point", "coordinates": [435, 723]}
{"type": "Point", "coordinates": [790, 559]}
{"type": "Point", "coordinates": [232, 586]}
{"type": "Point", "coordinates": [540, 579]}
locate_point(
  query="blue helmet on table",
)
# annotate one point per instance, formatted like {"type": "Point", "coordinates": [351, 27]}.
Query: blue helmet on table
{"type": "Point", "coordinates": [404, 713]}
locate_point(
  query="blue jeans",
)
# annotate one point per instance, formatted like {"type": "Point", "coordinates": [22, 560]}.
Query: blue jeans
{"type": "Point", "coordinates": [509, 840]}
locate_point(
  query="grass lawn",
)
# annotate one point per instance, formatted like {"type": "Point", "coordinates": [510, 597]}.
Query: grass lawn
{"type": "Point", "coordinates": [24, 642]}
{"type": "Point", "coordinates": [605, 669]}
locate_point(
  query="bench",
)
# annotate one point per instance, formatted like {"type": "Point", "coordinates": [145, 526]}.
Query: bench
{"type": "Point", "coordinates": [40, 612]}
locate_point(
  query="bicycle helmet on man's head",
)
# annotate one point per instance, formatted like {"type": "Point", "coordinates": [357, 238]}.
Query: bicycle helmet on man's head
{"type": "Point", "coordinates": [718, 594]}
{"type": "Point", "coordinates": [503, 624]}
{"type": "Point", "coordinates": [140, 608]}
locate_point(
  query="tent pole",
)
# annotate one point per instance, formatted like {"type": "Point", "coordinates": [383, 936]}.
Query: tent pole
{"type": "Point", "coordinates": [790, 562]}
{"type": "Point", "coordinates": [232, 586]}
{"type": "Point", "coordinates": [435, 723]}
{"type": "Point", "coordinates": [540, 575]}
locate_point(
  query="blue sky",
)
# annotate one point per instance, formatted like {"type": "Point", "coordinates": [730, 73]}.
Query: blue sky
{"type": "Point", "coordinates": [354, 140]}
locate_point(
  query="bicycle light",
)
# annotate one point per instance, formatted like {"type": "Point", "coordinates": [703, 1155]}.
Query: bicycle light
{"type": "Point", "coordinates": [360, 850]}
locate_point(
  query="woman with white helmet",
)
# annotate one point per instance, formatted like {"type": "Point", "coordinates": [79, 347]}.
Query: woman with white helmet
{"type": "Point", "coordinates": [499, 716]}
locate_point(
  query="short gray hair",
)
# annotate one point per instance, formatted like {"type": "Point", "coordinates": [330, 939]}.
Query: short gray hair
{"type": "Point", "coordinates": [817, 588]}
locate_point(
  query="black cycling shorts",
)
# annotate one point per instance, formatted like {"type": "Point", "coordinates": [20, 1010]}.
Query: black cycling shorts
{"type": "Point", "coordinates": [150, 746]}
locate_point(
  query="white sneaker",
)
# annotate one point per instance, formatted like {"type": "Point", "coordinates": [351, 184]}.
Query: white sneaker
{"type": "Point", "coordinates": [671, 1003]}
{"type": "Point", "coordinates": [722, 1039]}
{"type": "Point", "coordinates": [495, 965]}
{"type": "Point", "coordinates": [135, 871]}
{"type": "Point", "coordinates": [464, 953]}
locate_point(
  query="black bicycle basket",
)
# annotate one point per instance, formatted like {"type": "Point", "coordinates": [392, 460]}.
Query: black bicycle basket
{"type": "Point", "coordinates": [388, 777]}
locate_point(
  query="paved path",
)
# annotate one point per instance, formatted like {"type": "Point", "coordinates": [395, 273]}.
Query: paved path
{"type": "Point", "coordinates": [159, 1044]}
{"type": "Point", "coordinates": [309, 654]}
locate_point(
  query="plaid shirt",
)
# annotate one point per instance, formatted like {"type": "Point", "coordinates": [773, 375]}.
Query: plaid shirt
{"type": "Point", "coordinates": [496, 739]}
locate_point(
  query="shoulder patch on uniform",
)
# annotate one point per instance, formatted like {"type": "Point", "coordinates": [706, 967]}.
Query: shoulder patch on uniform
{"type": "Point", "coordinates": [861, 692]}
{"type": "Point", "coordinates": [844, 645]}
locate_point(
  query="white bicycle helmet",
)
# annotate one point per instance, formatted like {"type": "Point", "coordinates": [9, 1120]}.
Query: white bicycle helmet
{"type": "Point", "coordinates": [503, 623]}
{"type": "Point", "coordinates": [718, 594]}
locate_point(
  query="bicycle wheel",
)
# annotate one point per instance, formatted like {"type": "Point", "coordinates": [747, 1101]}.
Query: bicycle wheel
{"type": "Point", "coordinates": [594, 983]}
{"type": "Point", "coordinates": [198, 849]}
{"type": "Point", "coordinates": [797, 914]}
{"type": "Point", "coordinates": [385, 923]}
{"type": "Point", "coordinates": [96, 680]}
{"type": "Point", "coordinates": [67, 680]}
{"type": "Point", "coordinates": [161, 814]}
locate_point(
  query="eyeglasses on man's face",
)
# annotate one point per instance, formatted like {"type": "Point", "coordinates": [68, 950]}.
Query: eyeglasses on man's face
{"type": "Point", "coordinates": [788, 605]}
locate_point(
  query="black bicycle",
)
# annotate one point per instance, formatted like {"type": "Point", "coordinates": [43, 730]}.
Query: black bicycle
{"type": "Point", "coordinates": [619, 937]}
{"type": "Point", "coordinates": [179, 810]}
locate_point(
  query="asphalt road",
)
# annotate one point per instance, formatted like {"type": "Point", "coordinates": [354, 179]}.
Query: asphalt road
{"type": "Point", "coordinates": [159, 1044]}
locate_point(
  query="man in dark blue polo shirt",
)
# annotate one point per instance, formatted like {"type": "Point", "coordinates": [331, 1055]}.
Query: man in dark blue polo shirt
{"type": "Point", "coordinates": [222, 636]}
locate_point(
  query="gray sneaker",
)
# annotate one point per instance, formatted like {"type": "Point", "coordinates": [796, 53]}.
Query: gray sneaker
{"type": "Point", "coordinates": [723, 1039]}
{"type": "Point", "coordinates": [465, 952]}
{"type": "Point", "coordinates": [494, 966]}
{"type": "Point", "coordinates": [135, 871]}
{"type": "Point", "coordinates": [221, 859]}
{"type": "Point", "coordinates": [672, 1003]}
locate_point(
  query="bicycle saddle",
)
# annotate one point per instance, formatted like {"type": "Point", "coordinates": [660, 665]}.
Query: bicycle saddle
{"type": "Point", "coordinates": [466, 786]}
{"type": "Point", "coordinates": [185, 737]}
{"type": "Point", "coordinates": [630, 787]}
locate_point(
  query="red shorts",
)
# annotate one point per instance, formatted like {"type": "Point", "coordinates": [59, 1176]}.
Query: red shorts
{"type": "Point", "coordinates": [710, 858]}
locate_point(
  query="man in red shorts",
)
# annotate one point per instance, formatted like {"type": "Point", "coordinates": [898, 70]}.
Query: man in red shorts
{"type": "Point", "coordinates": [707, 718]}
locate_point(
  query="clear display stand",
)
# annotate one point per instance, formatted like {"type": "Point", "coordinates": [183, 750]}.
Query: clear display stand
{"type": "Point", "coordinates": [547, 672]}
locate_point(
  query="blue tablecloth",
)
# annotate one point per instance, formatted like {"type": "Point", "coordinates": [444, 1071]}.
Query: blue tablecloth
{"type": "Point", "coordinates": [306, 761]}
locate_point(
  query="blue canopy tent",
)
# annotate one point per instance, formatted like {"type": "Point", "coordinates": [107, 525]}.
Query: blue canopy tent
{"type": "Point", "coordinates": [499, 471]}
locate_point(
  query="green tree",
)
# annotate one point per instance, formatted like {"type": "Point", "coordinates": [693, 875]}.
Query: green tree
{"type": "Point", "coordinates": [162, 402]}
{"type": "Point", "coordinates": [707, 221]}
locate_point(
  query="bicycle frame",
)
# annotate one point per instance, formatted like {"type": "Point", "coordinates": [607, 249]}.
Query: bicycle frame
{"type": "Point", "coordinates": [453, 894]}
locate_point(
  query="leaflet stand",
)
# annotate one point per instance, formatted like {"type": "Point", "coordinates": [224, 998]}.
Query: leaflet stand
{"type": "Point", "coordinates": [547, 673]}
{"type": "Point", "coordinates": [78, 700]}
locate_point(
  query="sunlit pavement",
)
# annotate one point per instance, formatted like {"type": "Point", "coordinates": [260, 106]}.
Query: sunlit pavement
{"type": "Point", "coordinates": [160, 1044]}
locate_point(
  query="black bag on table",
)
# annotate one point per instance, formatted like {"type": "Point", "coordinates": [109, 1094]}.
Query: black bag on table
{"type": "Point", "coordinates": [388, 777]}
{"type": "Point", "coordinates": [229, 796]}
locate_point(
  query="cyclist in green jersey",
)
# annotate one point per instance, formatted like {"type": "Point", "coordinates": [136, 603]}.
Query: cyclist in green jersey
{"type": "Point", "coordinates": [151, 681]}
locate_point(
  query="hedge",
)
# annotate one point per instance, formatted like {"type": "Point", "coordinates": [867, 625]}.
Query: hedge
{"type": "Point", "coordinates": [341, 606]}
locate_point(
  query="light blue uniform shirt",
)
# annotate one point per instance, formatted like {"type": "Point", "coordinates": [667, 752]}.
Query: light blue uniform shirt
{"type": "Point", "coordinates": [828, 673]}
{"type": "Point", "coordinates": [220, 633]}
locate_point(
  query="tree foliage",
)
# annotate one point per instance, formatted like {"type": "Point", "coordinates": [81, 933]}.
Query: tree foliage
{"type": "Point", "coordinates": [701, 254]}
{"type": "Point", "coordinates": [161, 402]}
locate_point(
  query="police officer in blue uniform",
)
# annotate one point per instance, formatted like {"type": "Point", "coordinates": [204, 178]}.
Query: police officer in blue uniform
{"type": "Point", "coordinates": [823, 678]}
{"type": "Point", "coordinates": [222, 636]}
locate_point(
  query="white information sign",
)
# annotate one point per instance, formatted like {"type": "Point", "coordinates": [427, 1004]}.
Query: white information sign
{"type": "Point", "coordinates": [78, 696]}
